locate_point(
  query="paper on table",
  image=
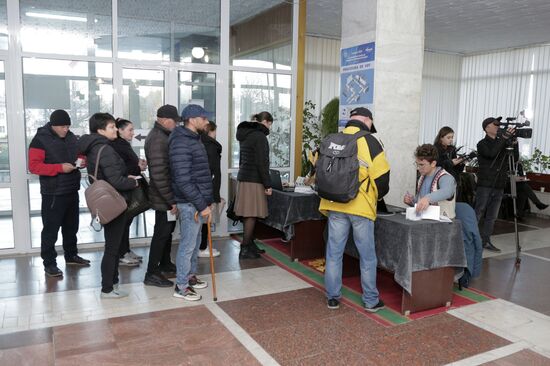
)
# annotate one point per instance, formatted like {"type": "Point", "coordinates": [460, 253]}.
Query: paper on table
{"type": "Point", "coordinates": [431, 213]}
{"type": "Point", "coordinates": [444, 218]}
{"type": "Point", "coordinates": [303, 189]}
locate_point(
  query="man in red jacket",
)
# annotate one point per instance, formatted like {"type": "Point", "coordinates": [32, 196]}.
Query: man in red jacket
{"type": "Point", "coordinates": [53, 155]}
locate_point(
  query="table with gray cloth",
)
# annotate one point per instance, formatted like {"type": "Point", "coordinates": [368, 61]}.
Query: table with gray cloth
{"type": "Point", "coordinates": [289, 208]}
{"type": "Point", "coordinates": [404, 246]}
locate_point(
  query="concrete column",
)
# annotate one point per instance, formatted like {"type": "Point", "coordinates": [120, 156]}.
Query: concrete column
{"type": "Point", "coordinates": [397, 28]}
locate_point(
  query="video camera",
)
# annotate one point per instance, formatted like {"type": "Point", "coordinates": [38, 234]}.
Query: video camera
{"type": "Point", "coordinates": [520, 131]}
{"type": "Point", "coordinates": [468, 157]}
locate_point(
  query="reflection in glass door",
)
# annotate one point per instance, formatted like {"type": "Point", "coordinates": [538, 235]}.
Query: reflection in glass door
{"type": "Point", "coordinates": [6, 213]}
{"type": "Point", "coordinates": [79, 87]}
{"type": "Point", "coordinates": [197, 88]}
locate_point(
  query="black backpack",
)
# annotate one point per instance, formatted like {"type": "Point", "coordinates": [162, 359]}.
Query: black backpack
{"type": "Point", "coordinates": [337, 169]}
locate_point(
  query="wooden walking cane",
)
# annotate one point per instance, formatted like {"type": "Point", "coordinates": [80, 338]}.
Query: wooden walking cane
{"type": "Point", "coordinates": [211, 258]}
{"type": "Point", "coordinates": [209, 221]}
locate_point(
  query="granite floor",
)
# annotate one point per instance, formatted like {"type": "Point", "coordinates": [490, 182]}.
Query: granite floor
{"type": "Point", "coordinates": [265, 315]}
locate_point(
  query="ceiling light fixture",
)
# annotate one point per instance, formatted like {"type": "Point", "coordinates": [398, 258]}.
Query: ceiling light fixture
{"type": "Point", "coordinates": [197, 52]}
{"type": "Point", "coordinates": [56, 17]}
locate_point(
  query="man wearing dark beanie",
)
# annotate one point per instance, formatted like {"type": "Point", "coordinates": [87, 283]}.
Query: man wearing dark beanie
{"type": "Point", "coordinates": [53, 155]}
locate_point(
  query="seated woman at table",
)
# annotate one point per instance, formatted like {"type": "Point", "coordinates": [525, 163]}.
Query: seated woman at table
{"type": "Point", "coordinates": [435, 185]}
{"type": "Point", "coordinates": [525, 193]}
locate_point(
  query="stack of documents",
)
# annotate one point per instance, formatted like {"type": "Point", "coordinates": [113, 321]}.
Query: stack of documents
{"type": "Point", "coordinates": [431, 213]}
{"type": "Point", "coordinates": [299, 188]}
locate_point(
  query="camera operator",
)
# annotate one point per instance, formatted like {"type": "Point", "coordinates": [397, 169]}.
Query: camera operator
{"type": "Point", "coordinates": [492, 176]}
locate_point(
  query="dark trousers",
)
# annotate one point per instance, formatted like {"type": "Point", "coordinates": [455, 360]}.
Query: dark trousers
{"type": "Point", "coordinates": [161, 243]}
{"type": "Point", "coordinates": [487, 205]}
{"type": "Point", "coordinates": [114, 232]}
{"type": "Point", "coordinates": [125, 242]}
{"type": "Point", "coordinates": [59, 212]}
{"type": "Point", "coordinates": [525, 193]}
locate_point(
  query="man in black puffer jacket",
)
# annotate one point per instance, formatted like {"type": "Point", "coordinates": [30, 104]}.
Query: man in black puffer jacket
{"type": "Point", "coordinates": [491, 177]}
{"type": "Point", "coordinates": [192, 187]}
{"type": "Point", "coordinates": [161, 197]}
{"type": "Point", "coordinates": [52, 156]}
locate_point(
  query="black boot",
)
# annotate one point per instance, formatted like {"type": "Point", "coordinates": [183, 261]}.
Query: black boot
{"type": "Point", "coordinates": [256, 248]}
{"type": "Point", "coordinates": [541, 206]}
{"type": "Point", "coordinates": [247, 252]}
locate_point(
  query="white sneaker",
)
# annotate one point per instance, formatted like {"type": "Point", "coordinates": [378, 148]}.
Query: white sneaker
{"type": "Point", "coordinates": [206, 253]}
{"type": "Point", "coordinates": [188, 294]}
{"type": "Point", "coordinates": [128, 261]}
{"type": "Point", "coordinates": [115, 294]}
{"type": "Point", "coordinates": [135, 256]}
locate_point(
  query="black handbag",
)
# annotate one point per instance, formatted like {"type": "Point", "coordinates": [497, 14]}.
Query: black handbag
{"type": "Point", "coordinates": [139, 199]}
{"type": "Point", "coordinates": [231, 215]}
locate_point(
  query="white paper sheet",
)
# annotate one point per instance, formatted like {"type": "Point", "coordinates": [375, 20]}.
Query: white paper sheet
{"type": "Point", "coordinates": [431, 213]}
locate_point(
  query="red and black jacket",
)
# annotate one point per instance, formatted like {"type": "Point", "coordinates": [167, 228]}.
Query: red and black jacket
{"type": "Point", "coordinates": [47, 153]}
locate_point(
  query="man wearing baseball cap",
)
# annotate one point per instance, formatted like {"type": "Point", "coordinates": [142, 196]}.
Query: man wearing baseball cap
{"type": "Point", "coordinates": [491, 177]}
{"type": "Point", "coordinates": [53, 155]}
{"type": "Point", "coordinates": [192, 186]}
{"type": "Point", "coordinates": [357, 215]}
{"type": "Point", "coordinates": [162, 198]}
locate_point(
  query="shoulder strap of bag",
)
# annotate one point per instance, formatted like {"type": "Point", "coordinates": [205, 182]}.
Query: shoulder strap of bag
{"type": "Point", "coordinates": [94, 177]}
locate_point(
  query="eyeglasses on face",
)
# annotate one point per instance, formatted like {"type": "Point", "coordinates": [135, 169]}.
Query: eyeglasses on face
{"type": "Point", "coordinates": [421, 165]}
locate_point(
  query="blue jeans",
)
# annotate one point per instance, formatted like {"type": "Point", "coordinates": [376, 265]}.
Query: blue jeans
{"type": "Point", "coordinates": [190, 240]}
{"type": "Point", "coordinates": [487, 205]}
{"type": "Point", "coordinates": [339, 225]}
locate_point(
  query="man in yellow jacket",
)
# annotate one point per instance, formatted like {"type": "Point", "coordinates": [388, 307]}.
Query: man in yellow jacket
{"type": "Point", "coordinates": [358, 214]}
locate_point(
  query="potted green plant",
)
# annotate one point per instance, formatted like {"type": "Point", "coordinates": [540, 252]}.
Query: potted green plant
{"type": "Point", "coordinates": [329, 117]}
{"type": "Point", "coordinates": [311, 135]}
{"type": "Point", "coordinates": [535, 168]}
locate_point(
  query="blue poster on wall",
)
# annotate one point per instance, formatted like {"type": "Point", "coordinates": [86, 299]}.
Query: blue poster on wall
{"type": "Point", "coordinates": [356, 79]}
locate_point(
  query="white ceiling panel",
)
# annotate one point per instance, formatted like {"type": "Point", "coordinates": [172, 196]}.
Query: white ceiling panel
{"type": "Point", "coordinates": [458, 26]}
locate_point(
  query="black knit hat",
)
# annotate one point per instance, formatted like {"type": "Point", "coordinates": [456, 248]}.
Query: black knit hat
{"type": "Point", "coordinates": [60, 118]}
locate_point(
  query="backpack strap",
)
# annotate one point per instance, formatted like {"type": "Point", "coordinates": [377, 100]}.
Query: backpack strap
{"type": "Point", "coordinates": [358, 135]}
{"type": "Point", "coordinates": [94, 177]}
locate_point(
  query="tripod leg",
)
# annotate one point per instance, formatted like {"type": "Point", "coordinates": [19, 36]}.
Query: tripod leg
{"type": "Point", "coordinates": [513, 193]}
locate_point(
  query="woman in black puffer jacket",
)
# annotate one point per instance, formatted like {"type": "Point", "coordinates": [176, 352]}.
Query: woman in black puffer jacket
{"type": "Point", "coordinates": [111, 169]}
{"type": "Point", "coordinates": [254, 183]}
{"type": "Point", "coordinates": [135, 165]}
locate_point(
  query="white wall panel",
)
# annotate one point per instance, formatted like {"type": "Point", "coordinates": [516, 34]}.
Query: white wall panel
{"type": "Point", "coordinates": [440, 94]}
{"type": "Point", "coordinates": [502, 84]}
{"type": "Point", "coordinates": [322, 70]}
{"type": "Point", "coordinates": [457, 91]}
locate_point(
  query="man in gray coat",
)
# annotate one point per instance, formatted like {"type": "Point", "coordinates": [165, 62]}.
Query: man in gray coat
{"type": "Point", "coordinates": [161, 197]}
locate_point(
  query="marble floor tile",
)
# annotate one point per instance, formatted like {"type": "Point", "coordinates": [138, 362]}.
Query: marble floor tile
{"type": "Point", "coordinates": [524, 357]}
{"type": "Point", "coordinates": [26, 338]}
{"type": "Point", "coordinates": [509, 321]}
{"type": "Point", "coordinates": [23, 276]}
{"type": "Point", "coordinates": [296, 327]}
{"type": "Point", "coordinates": [491, 355]}
{"type": "Point", "coordinates": [242, 336]}
{"type": "Point", "coordinates": [38, 354]}
{"type": "Point", "coordinates": [59, 308]}
{"type": "Point", "coordinates": [190, 335]}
